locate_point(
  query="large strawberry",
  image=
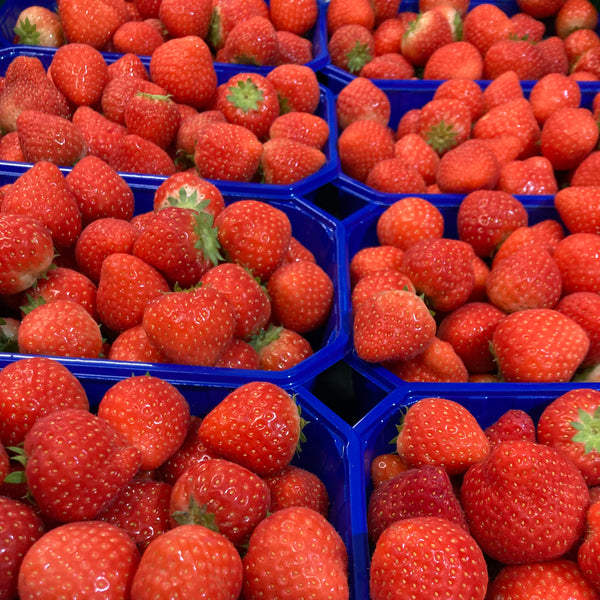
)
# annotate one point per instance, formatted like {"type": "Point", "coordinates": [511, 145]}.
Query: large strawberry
{"type": "Point", "coordinates": [525, 502]}
{"type": "Point", "coordinates": [76, 464]}
{"type": "Point", "coordinates": [92, 23]}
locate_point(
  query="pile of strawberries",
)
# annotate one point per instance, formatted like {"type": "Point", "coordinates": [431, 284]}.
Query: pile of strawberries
{"type": "Point", "coordinates": [509, 511]}
{"type": "Point", "coordinates": [146, 500]}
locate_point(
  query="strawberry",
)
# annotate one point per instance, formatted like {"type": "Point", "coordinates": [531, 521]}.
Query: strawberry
{"type": "Point", "coordinates": [99, 239]}
{"type": "Point", "coordinates": [384, 10]}
{"type": "Point", "coordinates": [293, 49]}
{"type": "Point", "coordinates": [297, 88]}
{"type": "Point", "coordinates": [105, 463]}
{"type": "Point", "coordinates": [583, 308]}
{"type": "Point", "coordinates": [8, 334]}
{"type": "Point", "coordinates": [417, 492]}
{"type": "Point", "coordinates": [567, 425]}
{"type": "Point", "coordinates": [539, 345]}
{"type": "Point", "coordinates": [90, 22]}
{"type": "Point", "coordinates": [222, 495]}
{"type": "Point", "coordinates": [548, 492]}
{"type": "Point", "coordinates": [228, 152]}
{"type": "Point", "coordinates": [309, 552]}
{"type": "Point", "coordinates": [362, 99]}
{"type": "Point", "coordinates": [38, 26]}
{"type": "Point", "coordinates": [298, 16]}
{"type": "Point", "coordinates": [294, 486]}
{"type": "Point", "coordinates": [303, 127]}
{"type": "Point", "coordinates": [285, 161]}
{"type": "Point", "coordinates": [484, 25]}
{"type": "Point", "coordinates": [384, 467]}
{"type": "Point", "coordinates": [255, 235]}
{"type": "Point", "coordinates": [514, 424]}
{"type": "Point", "coordinates": [21, 527]}
{"type": "Point", "coordinates": [340, 13]}
{"type": "Point", "coordinates": [250, 100]}
{"type": "Point", "coordinates": [507, 86]}
{"type": "Point", "coordinates": [137, 37]}
{"type": "Point", "coordinates": [370, 259]}
{"type": "Point", "coordinates": [576, 256]}
{"type": "Point", "coordinates": [578, 42]}
{"type": "Point", "coordinates": [189, 130]}
{"type": "Point", "coordinates": [587, 556]}
{"type": "Point", "coordinates": [61, 328]}
{"type": "Point", "coordinates": [392, 325]}
{"type": "Point", "coordinates": [152, 117]}
{"type": "Point", "coordinates": [107, 553]}
{"type": "Point", "coordinates": [521, 56]}
{"type": "Point", "coordinates": [126, 286]}
{"type": "Point", "coordinates": [187, 190]}
{"type": "Point", "coordinates": [171, 322]}
{"type": "Point", "coordinates": [101, 134]}
{"type": "Point", "coordinates": [10, 149]}
{"type": "Point", "coordinates": [527, 27]}
{"type": "Point", "coordinates": [395, 176]}
{"type": "Point", "coordinates": [575, 14]}
{"type": "Point", "coordinates": [80, 72]}
{"type": "Point", "coordinates": [444, 123]}
{"type": "Point", "coordinates": [534, 175]}
{"type": "Point", "coordinates": [401, 558]}
{"type": "Point", "coordinates": [466, 90]}
{"type": "Point", "coordinates": [238, 354]}
{"type": "Point", "coordinates": [424, 36]}
{"type": "Point", "coordinates": [51, 138]}
{"type": "Point", "coordinates": [181, 18]}
{"type": "Point", "coordinates": [415, 151]}
{"type": "Point", "coordinates": [26, 252]}
{"type": "Point", "coordinates": [578, 208]}
{"type": "Point", "coordinates": [135, 154]}
{"type": "Point", "coordinates": [251, 42]}
{"type": "Point", "coordinates": [388, 34]}
{"type": "Point", "coordinates": [455, 60]}
{"type": "Point", "coordinates": [134, 345]}
{"type": "Point", "coordinates": [275, 433]}
{"type": "Point", "coordinates": [540, 9]}
{"type": "Point", "coordinates": [128, 65]}
{"type": "Point", "coordinates": [554, 55]}
{"type": "Point", "coordinates": [350, 47]}
{"type": "Point", "coordinates": [586, 173]}
{"type": "Point", "coordinates": [99, 190]}
{"type": "Point", "coordinates": [141, 509]}
{"type": "Point", "coordinates": [386, 279]}
{"type": "Point", "coordinates": [227, 13]}
{"type": "Point", "coordinates": [249, 300]}
{"type": "Point", "coordinates": [178, 62]}
{"type": "Point", "coordinates": [388, 66]}
{"type": "Point", "coordinates": [431, 419]}
{"type": "Point", "coordinates": [119, 90]}
{"type": "Point", "coordinates": [279, 348]}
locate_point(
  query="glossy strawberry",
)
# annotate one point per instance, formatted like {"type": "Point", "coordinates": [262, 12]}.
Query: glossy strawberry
{"type": "Point", "coordinates": [297, 88]}
{"type": "Point", "coordinates": [584, 309]}
{"type": "Point", "coordinates": [534, 175]}
{"type": "Point", "coordinates": [152, 117]}
{"type": "Point", "coordinates": [514, 424]}
{"type": "Point", "coordinates": [424, 36]}
{"type": "Point", "coordinates": [370, 259]}
{"type": "Point", "coordinates": [341, 13]}
{"type": "Point", "coordinates": [458, 60]}
{"type": "Point", "coordinates": [135, 154]}
{"type": "Point", "coordinates": [285, 161]}
{"type": "Point", "coordinates": [301, 126]}
{"type": "Point", "coordinates": [251, 42]}
{"type": "Point", "coordinates": [575, 255]}
{"type": "Point", "coordinates": [351, 47]}
{"type": "Point", "coordinates": [361, 99]}
{"type": "Point", "coordinates": [298, 16]}
{"type": "Point", "coordinates": [182, 17]}
{"type": "Point", "coordinates": [137, 37]}
{"type": "Point", "coordinates": [279, 348]}
{"type": "Point", "coordinates": [101, 134]}
{"type": "Point", "coordinates": [134, 345]}
{"type": "Point", "coordinates": [38, 26]}
{"type": "Point", "coordinates": [92, 23]}
{"type": "Point", "coordinates": [587, 556]}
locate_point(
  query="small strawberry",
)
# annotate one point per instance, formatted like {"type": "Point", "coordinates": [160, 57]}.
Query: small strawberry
{"type": "Point", "coordinates": [395, 176]}
{"type": "Point", "coordinates": [385, 466]}
{"type": "Point", "coordinates": [186, 190]}
{"type": "Point", "coordinates": [534, 175]}
{"type": "Point", "coordinates": [189, 130]}
{"type": "Point", "coordinates": [285, 161]}
{"type": "Point", "coordinates": [298, 16]}
{"type": "Point", "coordinates": [297, 88]}
{"type": "Point", "coordinates": [351, 47]}
{"type": "Point", "coordinates": [92, 23]}
{"type": "Point", "coordinates": [444, 123]}
{"type": "Point", "coordinates": [518, 55]}
{"type": "Point", "coordinates": [388, 66]}
{"type": "Point", "coordinates": [362, 99]}
{"type": "Point", "coordinates": [279, 348]}
{"type": "Point", "coordinates": [134, 345]}
{"type": "Point", "coordinates": [484, 25]}
{"type": "Point", "coordinates": [186, 17]}
{"type": "Point", "coordinates": [152, 117]}
{"type": "Point", "coordinates": [128, 65]}
{"type": "Point", "coordinates": [38, 26]}
{"type": "Point", "coordinates": [551, 92]}
{"type": "Point", "coordinates": [455, 60]}
{"type": "Point", "coordinates": [578, 42]}
{"type": "Point", "coordinates": [507, 86]}
{"type": "Point", "coordinates": [252, 42]}
{"type": "Point", "coordinates": [302, 127]}
{"type": "Point", "coordinates": [135, 154]}
{"type": "Point", "coordinates": [293, 49]}
{"type": "Point", "coordinates": [514, 424]}
{"type": "Point", "coordinates": [575, 14]}
{"type": "Point", "coordinates": [238, 354]}
{"type": "Point", "coordinates": [137, 37]}
{"type": "Point", "coordinates": [88, 552]}
{"type": "Point", "coordinates": [341, 13]}
{"type": "Point", "coordinates": [371, 259]}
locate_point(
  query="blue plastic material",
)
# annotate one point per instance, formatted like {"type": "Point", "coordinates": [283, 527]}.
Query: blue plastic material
{"type": "Point", "coordinates": [322, 234]}
{"type": "Point", "coordinates": [361, 232]}
{"type": "Point", "coordinates": [487, 402]}
{"type": "Point", "coordinates": [11, 9]}
{"type": "Point", "coordinates": [305, 187]}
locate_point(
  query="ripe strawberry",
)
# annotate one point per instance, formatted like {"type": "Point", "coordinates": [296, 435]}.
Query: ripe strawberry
{"type": "Point", "coordinates": [554, 55]}
{"type": "Point", "coordinates": [521, 56]}
{"type": "Point", "coordinates": [388, 66]}
{"type": "Point", "coordinates": [26, 252]}
{"type": "Point", "coordinates": [539, 344]}
{"type": "Point", "coordinates": [90, 22]}
{"type": "Point", "coordinates": [586, 173]}
{"type": "Point", "coordinates": [414, 150]}
{"type": "Point", "coordinates": [297, 88]}
{"type": "Point", "coordinates": [141, 509]}
{"type": "Point", "coordinates": [362, 99]}
{"type": "Point", "coordinates": [152, 117]}
{"type": "Point", "coordinates": [10, 149]}
{"type": "Point", "coordinates": [246, 245]}
{"type": "Point", "coordinates": [137, 37]}
{"type": "Point", "coordinates": [401, 558]}
{"type": "Point", "coordinates": [384, 467]}
{"type": "Point", "coordinates": [317, 556]}
{"type": "Point", "coordinates": [294, 486]}
{"type": "Point", "coordinates": [551, 92]}
{"type": "Point", "coordinates": [466, 90]}
{"type": "Point", "coordinates": [105, 463]}
{"type": "Point", "coordinates": [45, 137]}
{"type": "Point", "coordinates": [21, 527]}
{"type": "Point", "coordinates": [134, 345]}
{"type": "Point", "coordinates": [184, 17]}
{"type": "Point", "coordinates": [223, 495]}
{"type": "Point", "coordinates": [387, 36]}
{"type": "Point", "coordinates": [107, 553]}
{"type": "Point", "coordinates": [135, 154]}
{"type": "Point", "coordinates": [527, 27]}
{"type": "Point", "coordinates": [298, 16]}
{"type": "Point", "coordinates": [424, 36]}
{"type": "Point", "coordinates": [385, 9]}
{"type": "Point", "coordinates": [171, 322]}
{"type": "Point", "coordinates": [577, 207]}
{"type": "Point", "coordinates": [444, 123]}
{"type": "Point", "coordinates": [189, 130]}
{"type": "Point", "coordinates": [575, 14]}
{"type": "Point", "coordinates": [587, 555]}
{"type": "Point", "coordinates": [514, 424]}
{"type": "Point", "coordinates": [387, 279]}
{"type": "Point", "coordinates": [303, 127]}
{"type": "Point", "coordinates": [249, 300]}
{"type": "Point", "coordinates": [584, 309]}
{"type": "Point", "coordinates": [38, 26]}
{"type": "Point", "coordinates": [341, 13]}
{"type": "Point", "coordinates": [186, 190]}
{"type": "Point", "coordinates": [99, 190]}
{"type": "Point", "coordinates": [227, 13]}
{"type": "Point", "coordinates": [540, 9]}
{"type": "Point", "coordinates": [484, 25]}
{"type": "Point", "coordinates": [119, 90]}
{"type": "Point", "coordinates": [534, 175]}
{"type": "Point", "coordinates": [279, 348]}
{"type": "Point", "coordinates": [251, 42]}
{"type": "Point", "coordinates": [238, 354]}
{"type": "Point", "coordinates": [101, 134]}
{"type": "Point", "coordinates": [99, 239]}
{"type": "Point", "coordinates": [395, 176]}
{"type": "Point", "coordinates": [228, 152]}
{"type": "Point", "coordinates": [351, 47]}
{"type": "Point", "coordinates": [286, 161]}
{"type": "Point", "coordinates": [293, 49]}
{"type": "Point", "coordinates": [577, 259]}
{"type": "Point", "coordinates": [549, 491]}
{"type": "Point", "coordinates": [392, 325]}
{"type": "Point", "coordinates": [455, 60]}
{"type": "Point", "coordinates": [178, 62]}
{"type": "Point", "coordinates": [128, 65]}
{"type": "Point", "coordinates": [370, 259]}
{"type": "Point", "coordinates": [506, 87]}
{"type": "Point", "coordinates": [578, 42]}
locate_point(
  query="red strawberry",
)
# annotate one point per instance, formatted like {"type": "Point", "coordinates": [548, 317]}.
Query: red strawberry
{"type": "Point", "coordinates": [455, 60]}
{"type": "Point", "coordinates": [371, 259]}
{"type": "Point", "coordinates": [293, 486]}
{"type": "Point", "coordinates": [484, 25]}
{"type": "Point", "coordinates": [90, 22]}
{"type": "Point", "coordinates": [521, 56]}
{"type": "Point", "coordinates": [467, 91]}
{"type": "Point", "coordinates": [38, 26]}
{"type": "Point", "coordinates": [172, 324]}
{"type": "Point", "coordinates": [587, 555]}
{"type": "Point", "coordinates": [79, 555]}
{"type": "Point", "coordinates": [51, 138]}
{"type": "Point", "coordinates": [547, 491]}
{"type": "Point", "coordinates": [297, 88]}
{"type": "Point", "coordinates": [186, 17]}
{"type": "Point", "coordinates": [384, 467]}
{"type": "Point", "coordinates": [152, 117]}
{"type": "Point", "coordinates": [578, 42]}
{"type": "Point", "coordinates": [257, 425]}
{"type": "Point", "coordinates": [584, 309]}
{"type": "Point", "coordinates": [249, 300]}
{"type": "Point", "coordinates": [252, 41]}
{"type": "Point", "coordinates": [586, 173]}
{"type": "Point", "coordinates": [534, 175]}
{"type": "Point", "coordinates": [119, 90]}
{"type": "Point", "coordinates": [362, 99]}
{"type": "Point", "coordinates": [302, 127]}
{"type": "Point", "coordinates": [223, 495]}
{"type": "Point", "coordinates": [417, 492]}
{"type": "Point", "coordinates": [99, 190]}
{"type": "Point", "coordinates": [181, 61]}
{"type": "Point", "coordinates": [135, 154]}
{"type": "Point", "coordinates": [575, 14]}
{"type": "Point", "coordinates": [279, 348]}
{"type": "Point", "coordinates": [444, 123]}
{"type": "Point", "coordinates": [105, 463]}
{"type": "Point", "coordinates": [186, 190]}
{"type": "Point", "coordinates": [318, 557]}
{"type": "Point", "coordinates": [341, 13]}
{"type": "Point", "coordinates": [128, 65]}
{"type": "Point", "coordinates": [424, 36]}
{"type": "Point", "coordinates": [298, 16]}
{"type": "Point", "coordinates": [61, 328]}
{"type": "Point", "coordinates": [551, 92]}
{"type": "Point", "coordinates": [137, 37]}
{"type": "Point", "coordinates": [238, 354]}
{"type": "Point", "coordinates": [227, 13]}
{"type": "Point", "coordinates": [141, 509]}
{"type": "Point", "coordinates": [392, 325]}
{"type": "Point", "coordinates": [134, 345]}
{"type": "Point", "coordinates": [21, 527]}
{"type": "Point", "coordinates": [101, 134]}
{"type": "Point", "coordinates": [388, 66]}
{"type": "Point", "coordinates": [401, 558]}
{"type": "Point", "coordinates": [285, 161]}
{"type": "Point", "coordinates": [514, 424]}
{"type": "Point", "coordinates": [26, 252]}
{"type": "Point", "coordinates": [10, 149]}
{"type": "Point", "coordinates": [351, 47]}
{"type": "Point", "coordinates": [150, 413]}
{"type": "Point", "coordinates": [539, 345]}
{"type": "Point", "coordinates": [388, 34]}
{"type": "Point", "coordinates": [395, 176]}
{"type": "Point", "coordinates": [577, 259]}
{"type": "Point", "coordinates": [293, 49]}
{"type": "Point", "coordinates": [506, 87]}
{"type": "Point", "coordinates": [80, 72]}
{"type": "Point", "coordinates": [387, 279]}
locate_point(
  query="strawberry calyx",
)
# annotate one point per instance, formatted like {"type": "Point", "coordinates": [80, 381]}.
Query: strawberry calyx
{"type": "Point", "coordinates": [265, 337]}
{"type": "Point", "coordinates": [208, 240]}
{"type": "Point", "coordinates": [27, 32]}
{"type": "Point", "coordinates": [588, 430]}
{"type": "Point", "coordinates": [245, 95]}
{"type": "Point", "coordinates": [215, 36]}
{"type": "Point", "coordinates": [358, 57]}
{"type": "Point", "coordinates": [8, 342]}
{"type": "Point", "coordinates": [157, 97]}
{"type": "Point", "coordinates": [32, 303]}
{"type": "Point", "coordinates": [185, 200]}
{"type": "Point", "coordinates": [18, 455]}
{"type": "Point", "coordinates": [196, 515]}
{"type": "Point", "coordinates": [442, 137]}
